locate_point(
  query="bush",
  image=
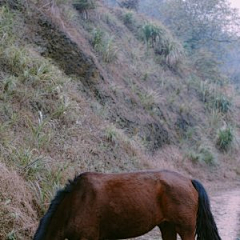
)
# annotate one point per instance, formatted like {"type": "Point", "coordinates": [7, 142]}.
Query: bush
{"type": "Point", "coordinates": [224, 139]}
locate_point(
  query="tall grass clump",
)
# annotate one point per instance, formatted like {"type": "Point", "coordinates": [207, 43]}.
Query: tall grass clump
{"type": "Point", "coordinates": [151, 33]}
{"type": "Point", "coordinates": [97, 39]}
{"type": "Point", "coordinates": [128, 18]}
{"type": "Point", "coordinates": [212, 95]}
{"type": "Point", "coordinates": [222, 103]}
{"type": "Point", "coordinates": [165, 46]}
{"type": "Point", "coordinates": [224, 138]}
{"type": "Point", "coordinates": [104, 45]}
{"type": "Point", "coordinates": [149, 98]}
{"type": "Point", "coordinates": [203, 154]}
{"type": "Point", "coordinates": [109, 50]}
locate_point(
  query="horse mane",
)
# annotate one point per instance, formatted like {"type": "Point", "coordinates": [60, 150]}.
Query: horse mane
{"type": "Point", "coordinates": [60, 195]}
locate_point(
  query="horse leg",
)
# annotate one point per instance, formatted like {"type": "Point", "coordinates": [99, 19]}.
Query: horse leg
{"type": "Point", "coordinates": [187, 235]}
{"type": "Point", "coordinates": [168, 231]}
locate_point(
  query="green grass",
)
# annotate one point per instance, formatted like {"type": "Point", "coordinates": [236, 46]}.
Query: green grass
{"type": "Point", "coordinates": [225, 138]}
{"type": "Point", "coordinates": [166, 48]}
{"type": "Point", "coordinates": [112, 134]}
{"type": "Point", "coordinates": [149, 98]}
{"type": "Point", "coordinates": [203, 155]}
{"type": "Point", "coordinates": [32, 103]}
{"type": "Point", "coordinates": [104, 45]}
{"type": "Point", "coordinates": [128, 18]}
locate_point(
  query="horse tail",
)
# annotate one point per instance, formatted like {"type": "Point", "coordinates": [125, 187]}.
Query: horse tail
{"type": "Point", "coordinates": [206, 228]}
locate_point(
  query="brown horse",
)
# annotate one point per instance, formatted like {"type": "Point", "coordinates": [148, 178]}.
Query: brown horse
{"type": "Point", "coordinates": [96, 206]}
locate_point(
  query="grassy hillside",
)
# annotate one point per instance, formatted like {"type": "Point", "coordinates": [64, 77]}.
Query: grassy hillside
{"type": "Point", "coordinates": [105, 91]}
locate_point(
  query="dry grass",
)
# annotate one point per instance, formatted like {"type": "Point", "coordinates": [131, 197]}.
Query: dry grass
{"type": "Point", "coordinates": [17, 214]}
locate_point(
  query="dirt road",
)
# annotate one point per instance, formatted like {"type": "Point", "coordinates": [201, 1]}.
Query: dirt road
{"type": "Point", "coordinates": [226, 209]}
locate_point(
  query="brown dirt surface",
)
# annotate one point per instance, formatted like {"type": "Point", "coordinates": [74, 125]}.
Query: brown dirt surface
{"type": "Point", "coordinates": [226, 209]}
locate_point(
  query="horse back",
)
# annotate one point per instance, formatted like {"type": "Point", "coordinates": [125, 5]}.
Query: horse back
{"type": "Point", "coordinates": [130, 204]}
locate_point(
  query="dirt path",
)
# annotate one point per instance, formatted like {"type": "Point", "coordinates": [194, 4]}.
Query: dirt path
{"type": "Point", "coordinates": [226, 209]}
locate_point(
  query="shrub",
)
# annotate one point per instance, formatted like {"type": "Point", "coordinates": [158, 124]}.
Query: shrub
{"type": "Point", "coordinates": [224, 138]}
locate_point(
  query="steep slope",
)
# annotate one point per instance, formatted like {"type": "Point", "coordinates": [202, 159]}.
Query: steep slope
{"type": "Point", "coordinates": [91, 93]}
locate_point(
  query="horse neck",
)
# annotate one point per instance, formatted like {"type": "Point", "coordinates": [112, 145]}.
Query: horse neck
{"type": "Point", "coordinates": [57, 226]}
{"type": "Point", "coordinates": [52, 224]}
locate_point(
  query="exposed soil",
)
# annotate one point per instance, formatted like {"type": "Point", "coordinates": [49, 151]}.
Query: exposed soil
{"type": "Point", "coordinates": [226, 210]}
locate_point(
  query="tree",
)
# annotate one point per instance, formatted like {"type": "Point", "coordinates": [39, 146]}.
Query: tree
{"type": "Point", "coordinates": [205, 23]}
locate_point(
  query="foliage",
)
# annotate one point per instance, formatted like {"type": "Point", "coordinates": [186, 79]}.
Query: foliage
{"type": "Point", "coordinates": [201, 23]}
{"type": "Point", "coordinates": [224, 138]}
{"type": "Point", "coordinates": [164, 45]}
{"type": "Point", "coordinates": [151, 33]}
{"type": "Point", "coordinates": [203, 154]}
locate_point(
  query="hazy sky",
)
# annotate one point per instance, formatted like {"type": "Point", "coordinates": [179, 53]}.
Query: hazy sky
{"type": "Point", "coordinates": [235, 3]}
